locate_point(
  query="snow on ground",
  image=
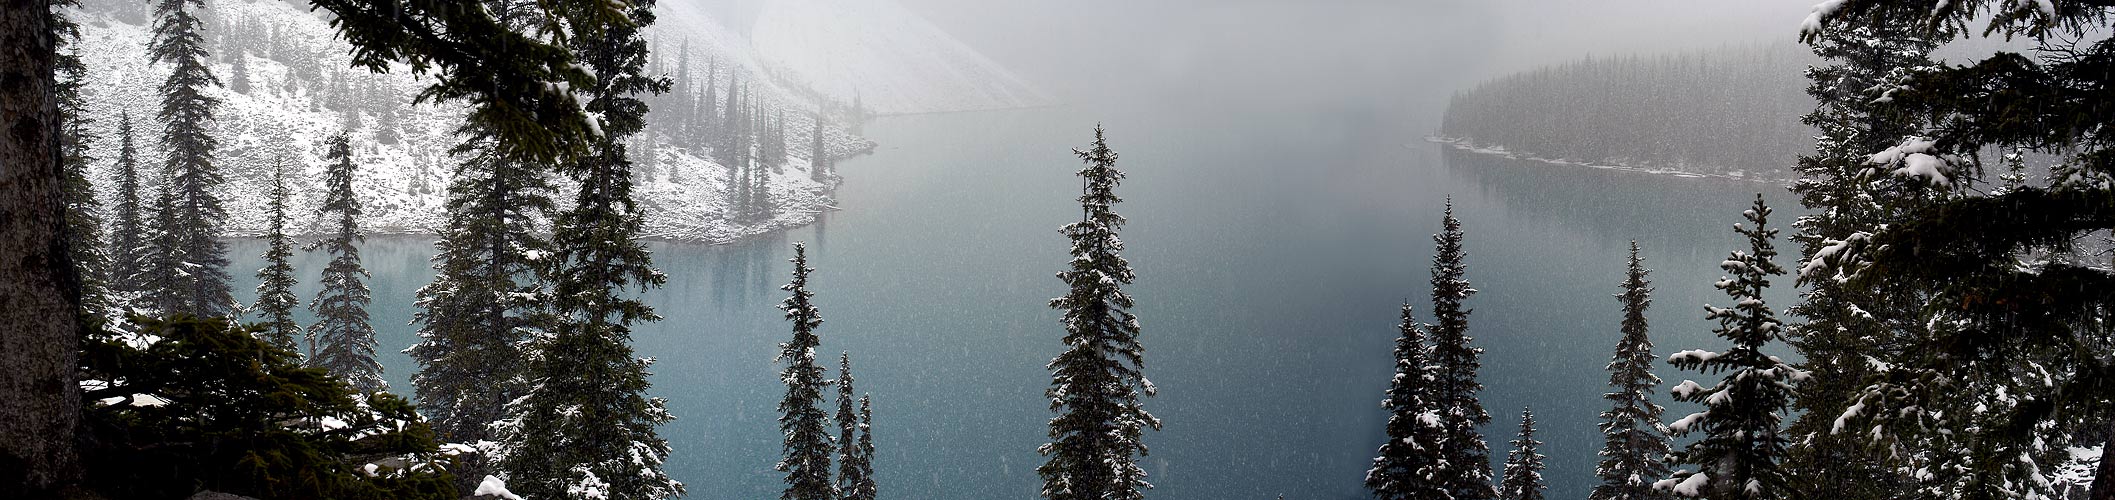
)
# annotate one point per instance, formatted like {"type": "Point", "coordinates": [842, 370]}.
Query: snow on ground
{"type": "Point", "coordinates": [1501, 151]}
{"type": "Point", "coordinates": [294, 104]}
{"type": "Point", "coordinates": [888, 57]}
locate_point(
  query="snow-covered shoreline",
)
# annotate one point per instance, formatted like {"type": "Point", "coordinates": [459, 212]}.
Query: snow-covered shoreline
{"type": "Point", "coordinates": [1500, 151]}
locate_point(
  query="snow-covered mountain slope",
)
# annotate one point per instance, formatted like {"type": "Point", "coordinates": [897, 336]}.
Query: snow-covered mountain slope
{"type": "Point", "coordinates": [883, 55]}
{"type": "Point", "coordinates": [295, 90]}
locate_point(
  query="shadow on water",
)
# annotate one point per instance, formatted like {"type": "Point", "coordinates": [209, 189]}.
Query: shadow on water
{"type": "Point", "coordinates": [1660, 211]}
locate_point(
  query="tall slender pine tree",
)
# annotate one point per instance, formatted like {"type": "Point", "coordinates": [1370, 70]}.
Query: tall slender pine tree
{"type": "Point", "coordinates": [801, 419]}
{"type": "Point", "coordinates": [1523, 466]}
{"type": "Point", "coordinates": [127, 225]}
{"type": "Point", "coordinates": [1097, 383]}
{"type": "Point", "coordinates": [818, 156]}
{"type": "Point", "coordinates": [341, 340]}
{"type": "Point", "coordinates": [1409, 457]}
{"type": "Point", "coordinates": [852, 466]}
{"type": "Point", "coordinates": [1737, 458]}
{"type": "Point", "coordinates": [1465, 465]}
{"type": "Point", "coordinates": [586, 427]}
{"type": "Point", "coordinates": [1634, 447]}
{"type": "Point", "coordinates": [482, 305]}
{"type": "Point", "coordinates": [193, 270]}
{"type": "Point", "coordinates": [275, 282]}
{"type": "Point", "coordinates": [84, 225]}
{"type": "Point", "coordinates": [864, 488]}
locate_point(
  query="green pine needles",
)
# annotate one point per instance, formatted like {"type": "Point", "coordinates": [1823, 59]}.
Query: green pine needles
{"type": "Point", "coordinates": [1097, 384]}
{"type": "Point", "coordinates": [1742, 443]}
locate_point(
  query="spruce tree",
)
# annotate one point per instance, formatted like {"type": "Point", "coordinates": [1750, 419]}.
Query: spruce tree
{"type": "Point", "coordinates": [702, 109]}
{"type": "Point", "coordinates": [1737, 457]}
{"type": "Point", "coordinates": [341, 340]}
{"type": "Point", "coordinates": [84, 225]}
{"type": "Point", "coordinates": [1097, 383]}
{"type": "Point", "coordinates": [483, 304]}
{"type": "Point", "coordinates": [275, 282]}
{"type": "Point", "coordinates": [1410, 455]}
{"type": "Point", "coordinates": [864, 488]}
{"type": "Point", "coordinates": [1634, 446]}
{"type": "Point", "coordinates": [195, 265]}
{"type": "Point", "coordinates": [818, 156]}
{"type": "Point", "coordinates": [801, 419]}
{"type": "Point", "coordinates": [1523, 465]}
{"type": "Point", "coordinates": [1843, 327]}
{"type": "Point", "coordinates": [162, 279]}
{"type": "Point", "coordinates": [128, 227]}
{"type": "Point", "coordinates": [1464, 470]}
{"type": "Point", "coordinates": [586, 427]}
{"type": "Point", "coordinates": [852, 466]}
{"type": "Point", "coordinates": [239, 73]}
{"type": "Point", "coordinates": [2017, 300]}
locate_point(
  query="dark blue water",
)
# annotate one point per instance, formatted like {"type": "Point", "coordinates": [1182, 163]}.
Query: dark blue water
{"type": "Point", "coordinates": [1271, 254]}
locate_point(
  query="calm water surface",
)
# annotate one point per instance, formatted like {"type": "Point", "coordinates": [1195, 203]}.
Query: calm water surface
{"type": "Point", "coordinates": [1271, 255]}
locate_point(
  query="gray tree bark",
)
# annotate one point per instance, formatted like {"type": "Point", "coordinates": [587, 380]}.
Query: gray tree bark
{"type": "Point", "coordinates": [39, 293]}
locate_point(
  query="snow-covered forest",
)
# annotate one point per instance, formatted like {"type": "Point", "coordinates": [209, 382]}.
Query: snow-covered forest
{"type": "Point", "coordinates": [1731, 111]}
{"type": "Point", "coordinates": [585, 249]}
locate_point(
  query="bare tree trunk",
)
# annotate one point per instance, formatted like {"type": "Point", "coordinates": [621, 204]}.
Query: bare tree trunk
{"type": "Point", "coordinates": [39, 293]}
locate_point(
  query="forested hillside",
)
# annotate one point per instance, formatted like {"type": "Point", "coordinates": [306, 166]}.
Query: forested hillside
{"type": "Point", "coordinates": [288, 85]}
{"type": "Point", "coordinates": [1731, 111]}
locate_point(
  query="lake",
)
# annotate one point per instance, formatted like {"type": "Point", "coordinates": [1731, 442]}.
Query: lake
{"type": "Point", "coordinates": [1272, 254]}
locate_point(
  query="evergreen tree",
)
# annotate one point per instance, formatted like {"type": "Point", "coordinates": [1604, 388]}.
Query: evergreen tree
{"type": "Point", "coordinates": [341, 340]}
{"type": "Point", "coordinates": [818, 156]}
{"type": "Point", "coordinates": [852, 466]}
{"type": "Point", "coordinates": [864, 488]}
{"type": "Point", "coordinates": [1096, 384]}
{"type": "Point", "coordinates": [729, 146]}
{"type": "Point", "coordinates": [128, 256]}
{"type": "Point", "coordinates": [705, 116]}
{"type": "Point", "coordinates": [801, 419]}
{"type": "Point", "coordinates": [162, 276]}
{"type": "Point", "coordinates": [1844, 327]}
{"type": "Point", "coordinates": [275, 282]}
{"type": "Point", "coordinates": [586, 428]}
{"type": "Point", "coordinates": [1409, 457]}
{"type": "Point", "coordinates": [2011, 366]}
{"type": "Point", "coordinates": [1464, 469]}
{"type": "Point", "coordinates": [239, 73]}
{"type": "Point", "coordinates": [244, 420]}
{"type": "Point", "coordinates": [481, 306]}
{"type": "Point", "coordinates": [1634, 447]}
{"type": "Point", "coordinates": [1523, 466]}
{"type": "Point", "coordinates": [84, 226]}
{"type": "Point", "coordinates": [1737, 458]}
{"type": "Point", "coordinates": [194, 264]}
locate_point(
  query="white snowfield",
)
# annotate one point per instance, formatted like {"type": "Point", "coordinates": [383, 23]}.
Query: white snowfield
{"type": "Point", "coordinates": [301, 90]}
{"type": "Point", "coordinates": [885, 56]}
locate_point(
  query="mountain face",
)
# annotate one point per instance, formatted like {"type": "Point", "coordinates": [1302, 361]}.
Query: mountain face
{"type": "Point", "coordinates": [288, 85]}
{"type": "Point", "coordinates": [883, 56]}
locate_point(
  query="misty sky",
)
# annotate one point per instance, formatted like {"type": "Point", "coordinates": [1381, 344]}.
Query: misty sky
{"type": "Point", "coordinates": [1414, 51]}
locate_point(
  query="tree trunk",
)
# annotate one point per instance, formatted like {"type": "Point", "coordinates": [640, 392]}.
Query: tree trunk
{"type": "Point", "coordinates": [39, 294]}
